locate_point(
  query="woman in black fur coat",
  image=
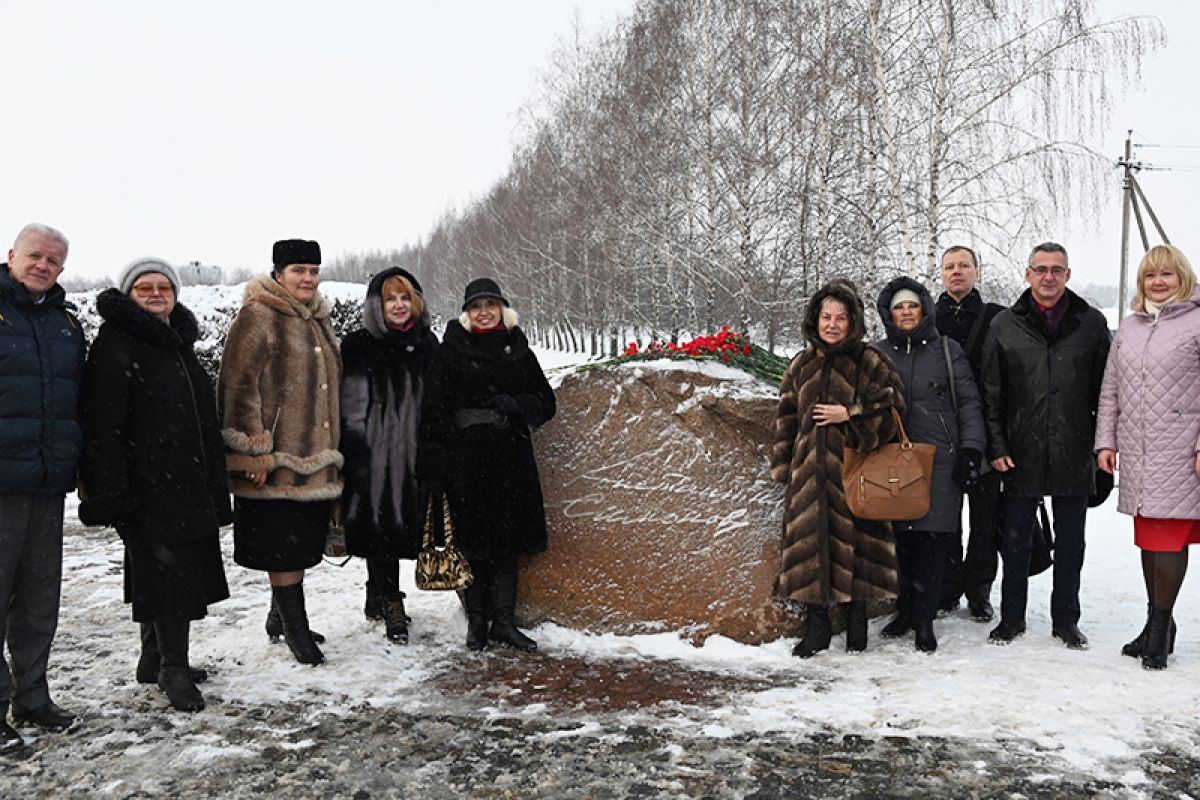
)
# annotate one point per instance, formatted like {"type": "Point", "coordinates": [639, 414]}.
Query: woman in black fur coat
{"type": "Point", "coordinates": [384, 368]}
{"type": "Point", "coordinates": [486, 396]}
{"type": "Point", "coordinates": [154, 468]}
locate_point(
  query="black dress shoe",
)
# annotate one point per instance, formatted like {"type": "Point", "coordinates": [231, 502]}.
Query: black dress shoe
{"type": "Point", "coordinates": [1070, 636]}
{"type": "Point", "coordinates": [47, 716]}
{"type": "Point", "coordinates": [10, 740]}
{"type": "Point", "coordinates": [1006, 631]}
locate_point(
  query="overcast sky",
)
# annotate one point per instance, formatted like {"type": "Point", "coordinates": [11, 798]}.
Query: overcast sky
{"type": "Point", "coordinates": [205, 131]}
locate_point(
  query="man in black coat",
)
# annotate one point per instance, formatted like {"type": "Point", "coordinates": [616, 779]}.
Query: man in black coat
{"type": "Point", "coordinates": [963, 316]}
{"type": "Point", "coordinates": [1043, 364]}
{"type": "Point", "coordinates": [41, 368]}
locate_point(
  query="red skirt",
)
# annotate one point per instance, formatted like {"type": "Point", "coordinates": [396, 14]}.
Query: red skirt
{"type": "Point", "coordinates": [1165, 535]}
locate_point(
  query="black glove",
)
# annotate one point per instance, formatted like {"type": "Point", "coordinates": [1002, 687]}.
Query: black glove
{"type": "Point", "coordinates": [966, 469]}
{"type": "Point", "coordinates": [506, 405]}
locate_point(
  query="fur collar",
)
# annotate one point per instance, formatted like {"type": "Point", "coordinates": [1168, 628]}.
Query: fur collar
{"type": "Point", "coordinates": [372, 316]}
{"type": "Point", "coordinates": [266, 290]}
{"type": "Point", "coordinates": [128, 317]}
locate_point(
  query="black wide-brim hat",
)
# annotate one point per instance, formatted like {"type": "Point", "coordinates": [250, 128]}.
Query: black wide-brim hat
{"type": "Point", "coordinates": [295, 251]}
{"type": "Point", "coordinates": [481, 288]}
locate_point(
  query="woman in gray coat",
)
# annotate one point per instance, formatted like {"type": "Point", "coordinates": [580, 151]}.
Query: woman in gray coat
{"type": "Point", "coordinates": [944, 409]}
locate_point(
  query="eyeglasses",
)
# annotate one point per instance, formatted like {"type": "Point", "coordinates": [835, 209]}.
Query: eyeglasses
{"type": "Point", "coordinates": [1057, 272]}
{"type": "Point", "coordinates": [148, 289]}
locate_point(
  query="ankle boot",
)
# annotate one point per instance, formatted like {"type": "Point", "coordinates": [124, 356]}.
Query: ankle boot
{"type": "Point", "coordinates": [856, 627]}
{"type": "Point", "coordinates": [289, 600]}
{"type": "Point", "coordinates": [818, 633]}
{"type": "Point", "coordinates": [150, 660]}
{"type": "Point", "coordinates": [173, 676]}
{"type": "Point", "coordinates": [275, 625]}
{"type": "Point", "coordinates": [925, 638]}
{"type": "Point", "coordinates": [503, 597]}
{"type": "Point", "coordinates": [394, 619]}
{"type": "Point", "coordinates": [1135, 648]}
{"type": "Point", "coordinates": [1158, 635]}
{"type": "Point", "coordinates": [373, 607]}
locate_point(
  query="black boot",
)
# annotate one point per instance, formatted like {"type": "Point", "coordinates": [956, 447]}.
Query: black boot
{"type": "Point", "coordinates": [856, 627]}
{"type": "Point", "coordinates": [899, 625]}
{"type": "Point", "coordinates": [925, 638]}
{"type": "Point", "coordinates": [173, 675]}
{"type": "Point", "coordinates": [503, 597]}
{"type": "Point", "coordinates": [1135, 648]}
{"type": "Point", "coordinates": [275, 624]}
{"type": "Point", "coordinates": [817, 634]}
{"type": "Point", "coordinates": [373, 607]}
{"type": "Point", "coordinates": [394, 619]}
{"type": "Point", "coordinates": [289, 600]}
{"type": "Point", "coordinates": [1158, 636]}
{"type": "Point", "coordinates": [475, 602]}
{"type": "Point", "coordinates": [150, 660]}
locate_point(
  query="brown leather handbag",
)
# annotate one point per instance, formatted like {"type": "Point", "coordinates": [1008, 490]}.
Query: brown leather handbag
{"type": "Point", "coordinates": [889, 483]}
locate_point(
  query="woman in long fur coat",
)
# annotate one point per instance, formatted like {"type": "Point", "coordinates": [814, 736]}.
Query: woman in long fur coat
{"type": "Point", "coordinates": [384, 368]}
{"type": "Point", "coordinates": [278, 390]}
{"type": "Point", "coordinates": [486, 395]}
{"type": "Point", "coordinates": [837, 392]}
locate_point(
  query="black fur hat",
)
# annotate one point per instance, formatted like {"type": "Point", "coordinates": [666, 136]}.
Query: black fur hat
{"type": "Point", "coordinates": [295, 251]}
{"type": "Point", "coordinates": [480, 288]}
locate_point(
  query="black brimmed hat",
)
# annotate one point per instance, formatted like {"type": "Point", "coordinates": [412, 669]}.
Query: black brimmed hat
{"type": "Point", "coordinates": [481, 288]}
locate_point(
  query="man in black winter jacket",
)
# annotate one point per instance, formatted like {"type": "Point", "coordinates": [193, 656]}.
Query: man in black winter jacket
{"type": "Point", "coordinates": [1043, 364]}
{"type": "Point", "coordinates": [963, 316]}
{"type": "Point", "coordinates": [41, 369]}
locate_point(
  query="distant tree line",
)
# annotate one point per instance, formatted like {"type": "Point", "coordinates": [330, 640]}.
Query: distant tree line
{"type": "Point", "coordinates": [712, 162]}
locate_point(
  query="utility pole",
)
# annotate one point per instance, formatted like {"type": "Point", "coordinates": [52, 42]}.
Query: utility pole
{"type": "Point", "coordinates": [1133, 200]}
{"type": "Point", "coordinates": [1126, 206]}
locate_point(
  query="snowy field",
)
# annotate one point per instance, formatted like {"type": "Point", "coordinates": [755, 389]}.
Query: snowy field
{"type": "Point", "coordinates": [379, 720]}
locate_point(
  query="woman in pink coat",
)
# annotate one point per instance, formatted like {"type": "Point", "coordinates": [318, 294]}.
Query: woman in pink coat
{"type": "Point", "coordinates": [1150, 414]}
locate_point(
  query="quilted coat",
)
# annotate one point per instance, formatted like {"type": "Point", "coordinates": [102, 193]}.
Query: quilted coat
{"type": "Point", "coordinates": [1150, 411]}
{"type": "Point", "coordinates": [932, 417]}
{"type": "Point", "coordinates": [278, 393]}
{"type": "Point", "coordinates": [41, 370]}
{"type": "Point", "coordinates": [828, 555]}
{"type": "Point", "coordinates": [383, 382]}
{"type": "Point", "coordinates": [153, 463]}
{"type": "Point", "coordinates": [1041, 391]}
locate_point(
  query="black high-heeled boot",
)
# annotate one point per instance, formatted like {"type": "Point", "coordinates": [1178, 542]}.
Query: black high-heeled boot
{"type": "Point", "coordinates": [503, 598]}
{"type": "Point", "coordinates": [290, 602]}
{"type": "Point", "coordinates": [150, 659]}
{"type": "Point", "coordinates": [1135, 648]}
{"type": "Point", "coordinates": [275, 625]}
{"type": "Point", "coordinates": [1158, 635]}
{"type": "Point", "coordinates": [925, 638]}
{"type": "Point", "coordinates": [817, 634]}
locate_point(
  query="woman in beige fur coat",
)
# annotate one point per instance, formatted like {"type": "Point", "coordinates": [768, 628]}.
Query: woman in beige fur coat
{"type": "Point", "coordinates": [280, 377]}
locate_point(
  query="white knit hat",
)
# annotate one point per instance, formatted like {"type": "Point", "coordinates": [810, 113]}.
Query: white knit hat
{"type": "Point", "coordinates": [905, 296]}
{"type": "Point", "coordinates": [141, 267]}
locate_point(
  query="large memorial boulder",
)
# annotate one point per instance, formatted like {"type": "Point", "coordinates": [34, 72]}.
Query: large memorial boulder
{"type": "Point", "coordinates": [661, 513]}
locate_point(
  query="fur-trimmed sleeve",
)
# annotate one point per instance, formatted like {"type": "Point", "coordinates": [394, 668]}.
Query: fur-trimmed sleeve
{"type": "Point", "coordinates": [879, 390]}
{"type": "Point", "coordinates": [786, 425]}
{"type": "Point", "coordinates": [247, 350]}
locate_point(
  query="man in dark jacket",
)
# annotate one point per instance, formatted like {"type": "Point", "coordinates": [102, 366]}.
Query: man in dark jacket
{"type": "Point", "coordinates": [41, 368]}
{"type": "Point", "coordinates": [963, 316]}
{"type": "Point", "coordinates": [1043, 364]}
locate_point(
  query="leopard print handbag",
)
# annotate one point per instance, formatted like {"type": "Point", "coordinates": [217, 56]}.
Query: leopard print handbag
{"type": "Point", "coordinates": [441, 568]}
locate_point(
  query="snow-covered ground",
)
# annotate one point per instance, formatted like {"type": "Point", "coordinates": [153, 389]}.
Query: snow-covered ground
{"type": "Point", "coordinates": [271, 725]}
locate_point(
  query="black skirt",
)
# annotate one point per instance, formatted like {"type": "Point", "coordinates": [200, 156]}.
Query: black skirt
{"type": "Point", "coordinates": [279, 535]}
{"type": "Point", "coordinates": [174, 582]}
